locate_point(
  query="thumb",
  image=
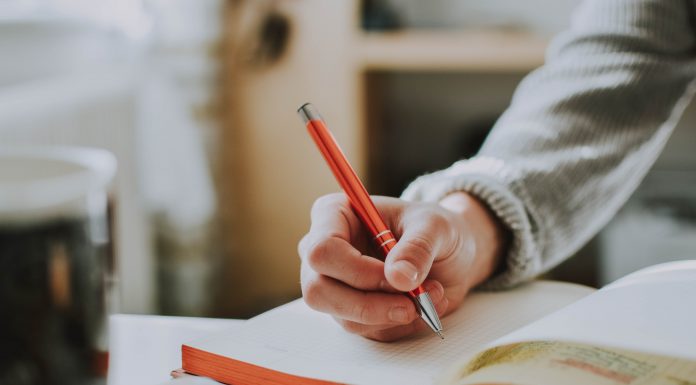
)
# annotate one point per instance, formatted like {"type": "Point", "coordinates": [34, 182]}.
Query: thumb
{"type": "Point", "coordinates": [409, 262]}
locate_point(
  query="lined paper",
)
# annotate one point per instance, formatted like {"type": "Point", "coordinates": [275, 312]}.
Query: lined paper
{"type": "Point", "coordinates": [299, 341]}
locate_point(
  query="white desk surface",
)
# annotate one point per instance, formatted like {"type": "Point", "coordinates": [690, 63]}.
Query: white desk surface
{"type": "Point", "coordinates": [143, 350]}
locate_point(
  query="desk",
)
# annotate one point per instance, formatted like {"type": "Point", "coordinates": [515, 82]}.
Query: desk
{"type": "Point", "coordinates": [144, 349]}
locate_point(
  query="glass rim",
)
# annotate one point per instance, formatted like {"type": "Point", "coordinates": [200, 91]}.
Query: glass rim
{"type": "Point", "coordinates": [79, 171]}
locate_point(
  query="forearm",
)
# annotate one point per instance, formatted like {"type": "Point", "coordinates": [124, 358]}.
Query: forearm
{"type": "Point", "coordinates": [581, 132]}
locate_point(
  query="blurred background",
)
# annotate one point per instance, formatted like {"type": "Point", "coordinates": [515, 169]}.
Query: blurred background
{"type": "Point", "coordinates": [197, 100]}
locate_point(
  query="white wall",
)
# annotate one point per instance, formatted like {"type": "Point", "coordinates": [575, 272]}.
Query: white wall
{"type": "Point", "coordinates": [68, 82]}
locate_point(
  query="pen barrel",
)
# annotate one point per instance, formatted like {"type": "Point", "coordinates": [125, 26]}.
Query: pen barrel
{"type": "Point", "coordinates": [350, 183]}
{"type": "Point", "coordinates": [357, 194]}
{"type": "Point", "coordinates": [385, 241]}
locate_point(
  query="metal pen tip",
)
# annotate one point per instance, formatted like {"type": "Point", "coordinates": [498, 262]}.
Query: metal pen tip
{"type": "Point", "coordinates": [428, 313]}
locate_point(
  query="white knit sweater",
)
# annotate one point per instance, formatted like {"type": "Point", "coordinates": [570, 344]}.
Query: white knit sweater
{"type": "Point", "coordinates": [581, 132]}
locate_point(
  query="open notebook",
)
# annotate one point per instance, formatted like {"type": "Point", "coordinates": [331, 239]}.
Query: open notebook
{"type": "Point", "coordinates": [642, 325]}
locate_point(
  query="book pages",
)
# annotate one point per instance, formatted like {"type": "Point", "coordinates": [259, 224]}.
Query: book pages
{"type": "Point", "coordinates": [651, 311]}
{"type": "Point", "coordinates": [553, 362]}
{"type": "Point", "coordinates": [297, 340]}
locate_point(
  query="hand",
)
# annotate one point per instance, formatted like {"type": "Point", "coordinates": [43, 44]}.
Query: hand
{"type": "Point", "coordinates": [448, 247]}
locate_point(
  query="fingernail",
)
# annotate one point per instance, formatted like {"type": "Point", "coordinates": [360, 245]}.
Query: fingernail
{"type": "Point", "coordinates": [398, 314]}
{"type": "Point", "coordinates": [407, 269]}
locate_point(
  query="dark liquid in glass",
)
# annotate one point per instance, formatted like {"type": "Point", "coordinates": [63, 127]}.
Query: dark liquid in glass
{"type": "Point", "coordinates": [52, 302]}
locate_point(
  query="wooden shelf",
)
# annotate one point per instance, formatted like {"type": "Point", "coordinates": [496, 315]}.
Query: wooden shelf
{"type": "Point", "coordinates": [478, 50]}
{"type": "Point", "coordinates": [326, 63]}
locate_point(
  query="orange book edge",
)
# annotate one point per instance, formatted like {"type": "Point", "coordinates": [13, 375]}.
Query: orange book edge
{"type": "Point", "coordinates": [230, 371]}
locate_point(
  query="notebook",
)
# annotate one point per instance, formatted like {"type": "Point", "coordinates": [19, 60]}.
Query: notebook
{"type": "Point", "coordinates": [640, 328]}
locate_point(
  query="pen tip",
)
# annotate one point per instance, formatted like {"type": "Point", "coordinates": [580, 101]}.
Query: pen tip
{"type": "Point", "coordinates": [439, 333]}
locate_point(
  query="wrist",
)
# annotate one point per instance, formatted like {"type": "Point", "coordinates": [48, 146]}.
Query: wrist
{"type": "Point", "coordinates": [491, 237]}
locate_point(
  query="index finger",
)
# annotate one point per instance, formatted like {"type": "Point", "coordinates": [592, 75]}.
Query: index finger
{"type": "Point", "coordinates": [332, 216]}
{"type": "Point", "coordinates": [332, 213]}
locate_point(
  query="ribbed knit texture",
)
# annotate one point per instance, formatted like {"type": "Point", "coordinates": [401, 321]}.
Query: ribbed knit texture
{"type": "Point", "coordinates": [581, 132]}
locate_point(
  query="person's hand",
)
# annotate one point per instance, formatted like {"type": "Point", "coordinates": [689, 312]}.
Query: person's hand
{"type": "Point", "coordinates": [449, 248]}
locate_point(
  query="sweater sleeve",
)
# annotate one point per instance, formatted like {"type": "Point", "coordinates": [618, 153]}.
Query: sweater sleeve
{"type": "Point", "coordinates": [581, 131]}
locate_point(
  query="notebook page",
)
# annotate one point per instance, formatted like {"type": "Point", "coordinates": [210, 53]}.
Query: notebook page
{"type": "Point", "coordinates": [652, 311]}
{"type": "Point", "coordinates": [297, 340]}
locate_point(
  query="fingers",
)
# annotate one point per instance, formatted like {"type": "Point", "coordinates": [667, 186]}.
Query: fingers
{"type": "Point", "coordinates": [398, 332]}
{"type": "Point", "coordinates": [328, 250]}
{"type": "Point", "coordinates": [361, 291]}
{"type": "Point", "coordinates": [425, 237]}
{"type": "Point", "coordinates": [369, 308]}
{"type": "Point", "coordinates": [338, 259]}
{"type": "Point", "coordinates": [331, 247]}
{"type": "Point", "coordinates": [329, 221]}
{"type": "Point", "coordinates": [331, 215]}
{"type": "Point", "coordinates": [391, 332]}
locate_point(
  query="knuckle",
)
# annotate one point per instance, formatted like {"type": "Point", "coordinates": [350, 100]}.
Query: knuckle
{"type": "Point", "coordinates": [363, 313]}
{"type": "Point", "coordinates": [312, 293]}
{"type": "Point", "coordinates": [321, 254]}
{"type": "Point", "coordinates": [318, 253]}
{"type": "Point", "coordinates": [302, 246]}
{"type": "Point", "coordinates": [422, 248]}
{"type": "Point", "coordinates": [351, 327]}
{"type": "Point", "coordinates": [359, 276]}
{"type": "Point", "coordinates": [327, 201]}
{"type": "Point", "coordinates": [437, 222]}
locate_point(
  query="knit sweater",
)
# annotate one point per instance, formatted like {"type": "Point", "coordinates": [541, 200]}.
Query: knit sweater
{"type": "Point", "coordinates": [581, 132]}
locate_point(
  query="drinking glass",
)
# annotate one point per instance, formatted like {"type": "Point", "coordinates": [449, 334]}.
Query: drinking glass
{"type": "Point", "coordinates": [55, 265]}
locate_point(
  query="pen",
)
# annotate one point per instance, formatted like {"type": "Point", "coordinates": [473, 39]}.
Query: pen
{"type": "Point", "coordinates": [362, 204]}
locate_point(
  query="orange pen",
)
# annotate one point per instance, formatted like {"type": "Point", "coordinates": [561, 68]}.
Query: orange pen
{"type": "Point", "coordinates": [362, 204]}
